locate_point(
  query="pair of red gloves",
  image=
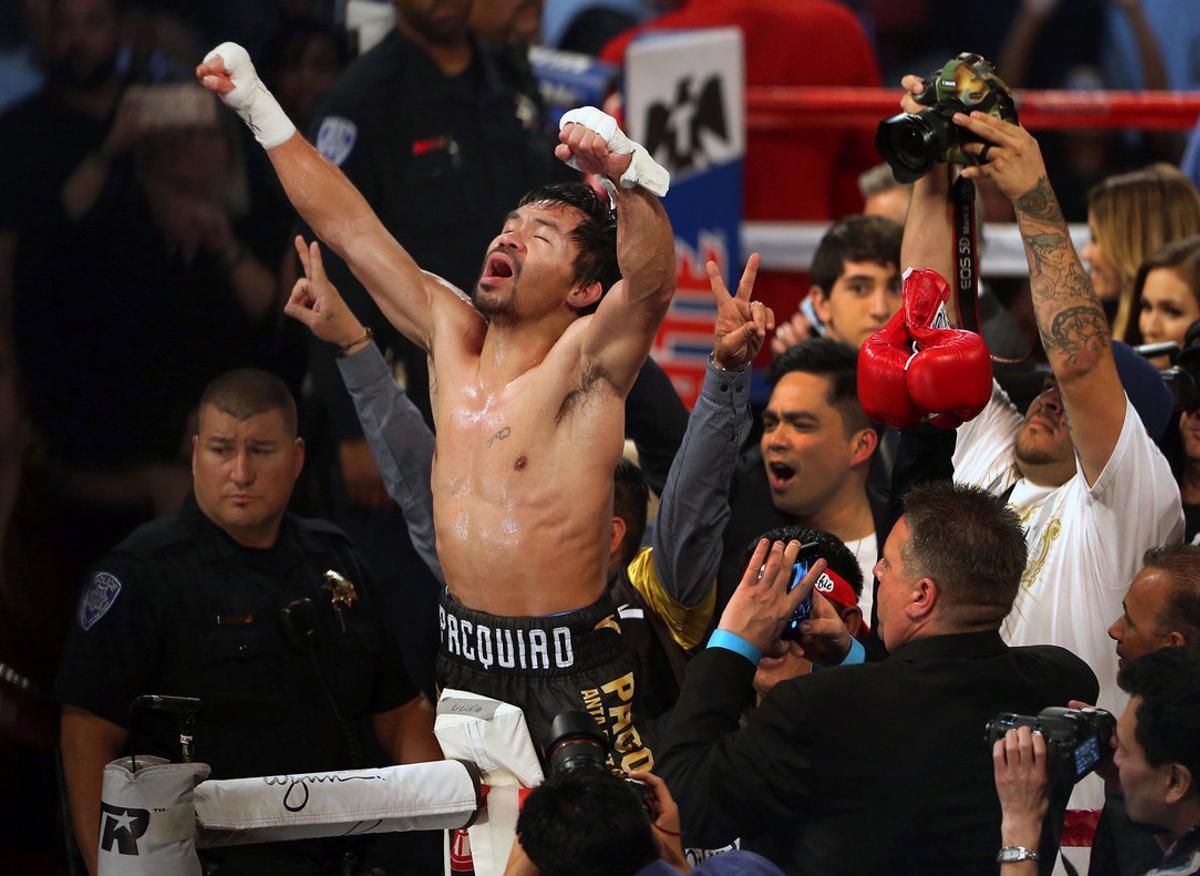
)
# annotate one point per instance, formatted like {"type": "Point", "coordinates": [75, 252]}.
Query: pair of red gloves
{"type": "Point", "coordinates": [917, 367]}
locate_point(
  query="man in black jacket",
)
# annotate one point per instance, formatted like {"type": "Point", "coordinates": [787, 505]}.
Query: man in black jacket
{"type": "Point", "coordinates": [875, 768]}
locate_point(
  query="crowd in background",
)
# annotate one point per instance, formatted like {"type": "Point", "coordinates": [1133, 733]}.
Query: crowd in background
{"type": "Point", "coordinates": [146, 247]}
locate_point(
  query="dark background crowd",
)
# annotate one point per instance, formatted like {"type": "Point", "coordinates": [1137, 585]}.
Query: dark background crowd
{"type": "Point", "coordinates": [146, 247]}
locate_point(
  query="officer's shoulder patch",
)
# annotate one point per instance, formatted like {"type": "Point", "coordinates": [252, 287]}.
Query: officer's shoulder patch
{"type": "Point", "coordinates": [336, 138]}
{"type": "Point", "coordinates": [99, 597]}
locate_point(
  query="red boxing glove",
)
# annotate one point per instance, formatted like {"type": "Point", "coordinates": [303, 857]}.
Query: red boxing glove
{"type": "Point", "coordinates": [882, 383]}
{"type": "Point", "coordinates": [950, 374]}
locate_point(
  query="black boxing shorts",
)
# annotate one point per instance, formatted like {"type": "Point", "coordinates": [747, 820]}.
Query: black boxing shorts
{"type": "Point", "coordinates": [577, 661]}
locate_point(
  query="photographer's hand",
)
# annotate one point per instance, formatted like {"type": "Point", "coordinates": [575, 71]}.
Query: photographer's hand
{"type": "Point", "coordinates": [1012, 158]}
{"type": "Point", "coordinates": [665, 821]}
{"type": "Point", "coordinates": [761, 605]}
{"type": "Point", "coordinates": [824, 637]}
{"type": "Point", "coordinates": [1019, 765]}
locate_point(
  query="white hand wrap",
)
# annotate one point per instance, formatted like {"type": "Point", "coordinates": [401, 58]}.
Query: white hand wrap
{"type": "Point", "coordinates": [643, 170]}
{"type": "Point", "coordinates": [250, 98]}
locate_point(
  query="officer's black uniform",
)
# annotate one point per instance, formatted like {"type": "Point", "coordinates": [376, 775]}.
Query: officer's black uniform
{"type": "Point", "coordinates": [180, 608]}
{"type": "Point", "coordinates": [441, 160]}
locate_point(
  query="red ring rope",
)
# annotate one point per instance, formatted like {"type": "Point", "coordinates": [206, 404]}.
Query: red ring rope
{"type": "Point", "coordinates": [789, 108]}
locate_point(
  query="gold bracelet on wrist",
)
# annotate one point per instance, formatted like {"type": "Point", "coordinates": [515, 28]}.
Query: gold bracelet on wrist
{"type": "Point", "coordinates": [344, 349]}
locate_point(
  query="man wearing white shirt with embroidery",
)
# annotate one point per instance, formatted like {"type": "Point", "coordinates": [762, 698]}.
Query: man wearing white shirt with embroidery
{"type": "Point", "coordinates": [1092, 489]}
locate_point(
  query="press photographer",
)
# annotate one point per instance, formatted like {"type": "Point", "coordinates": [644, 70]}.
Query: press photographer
{"type": "Point", "coordinates": [587, 820]}
{"type": "Point", "coordinates": [1157, 761]}
{"type": "Point", "coordinates": [891, 751]}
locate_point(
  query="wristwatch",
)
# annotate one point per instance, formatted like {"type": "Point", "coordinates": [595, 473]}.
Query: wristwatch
{"type": "Point", "coordinates": [1013, 854]}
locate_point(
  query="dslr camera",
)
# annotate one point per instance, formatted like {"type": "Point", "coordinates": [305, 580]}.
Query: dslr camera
{"type": "Point", "coordinates": [1183, 375]}
{"type": "Point", "coordinates": [1077, 740]}
{"type": "Point", "coordinates": [913, 143]}
{"type": "Point", "coordinates": [578, 746]}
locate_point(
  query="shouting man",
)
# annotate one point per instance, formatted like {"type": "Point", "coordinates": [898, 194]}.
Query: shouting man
{"type": "Point", "coordinates": [527, 388]}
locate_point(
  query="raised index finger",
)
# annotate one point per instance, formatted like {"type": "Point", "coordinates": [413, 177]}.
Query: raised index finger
{"type": "Point", "coordinates": [717, 283]}
{"type": "Point", "coordinates": [302, 251]}
{"type": "Point", "coordinates": [318, 265]}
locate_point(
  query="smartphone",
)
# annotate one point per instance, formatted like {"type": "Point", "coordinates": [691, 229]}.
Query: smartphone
{"type": "Point", "coordinates": [809, 554]}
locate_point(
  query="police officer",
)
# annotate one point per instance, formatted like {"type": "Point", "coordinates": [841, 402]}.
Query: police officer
{"type": "Point", "coordinates": [442, 141]}
{"type": "Point", "coordinates": [257, 612]}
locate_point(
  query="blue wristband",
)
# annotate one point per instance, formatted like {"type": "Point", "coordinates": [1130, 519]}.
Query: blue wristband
{"type": "Point", "coordinates": [857, 654]}
{"type": "Point", "coordinates": [735, 643]}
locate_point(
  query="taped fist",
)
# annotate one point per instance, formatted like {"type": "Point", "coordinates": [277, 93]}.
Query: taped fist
{"type": "Point", "coordinates": [918, 367]}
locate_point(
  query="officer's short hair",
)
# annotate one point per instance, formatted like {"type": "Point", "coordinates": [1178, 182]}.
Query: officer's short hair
{"type": "Point", "coordinates": [245, 392]}
{"type": "Point", "coordinates": [596, 235]}
{"type": "Point", "coordinates": [970, 543]}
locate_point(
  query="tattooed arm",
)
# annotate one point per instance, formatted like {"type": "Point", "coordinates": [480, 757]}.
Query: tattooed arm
{"type": "Point", "coordinates": [1070, 320]}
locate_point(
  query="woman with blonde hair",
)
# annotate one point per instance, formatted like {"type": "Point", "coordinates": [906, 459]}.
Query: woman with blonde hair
{"type": "Point", "coordinates": [1131, 216]}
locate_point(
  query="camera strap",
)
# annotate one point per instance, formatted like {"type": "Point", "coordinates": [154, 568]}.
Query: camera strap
{"type": "Point", "coordinates": [966, 254]}
{"type": "Point", "coordinates": [966, 264]}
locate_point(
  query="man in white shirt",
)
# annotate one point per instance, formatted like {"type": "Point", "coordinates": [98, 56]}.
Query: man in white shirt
{"type": "Point", "coordinates": [1081, 470]}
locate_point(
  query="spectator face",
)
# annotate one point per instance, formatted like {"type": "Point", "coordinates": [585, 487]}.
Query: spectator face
{"type": "Point", "coordinates": [1105, 280]}
{"type": "Point", "coordinates": [505, 21]}
{"type": "Point", "coordinates": [861, 301]}
{"type": "Point", "coordinates": [440, 22]}
{"type": "Point", "coordinates": [1146, 787]}
{"type": "Point", "coordinates": [243, 472]}
{"type": "Point", "coordinates": [530, 268]}
{"type": "Point", "coordinates": [891, 204]}
{"type": "Point", "coordinates": [1137, 630]}
{"type": "Point", "coordinates": [895, 589]}
{"type": "Point", "coordinates": [83, 42]}
{"type": "Point", "coordinates": [1189, 431]}
{"type": "Point", "coordinates": [1168, 307]}
{"type": "Point", "coordinates": [805, 449]}
{"type": "Point", "coordinates": [303, 83]}
{"type": "Point", "coordinates": [1044, 439]}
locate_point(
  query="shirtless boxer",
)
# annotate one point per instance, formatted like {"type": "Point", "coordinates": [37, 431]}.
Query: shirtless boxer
{"type": "Point", "coordinates": [527, 396]}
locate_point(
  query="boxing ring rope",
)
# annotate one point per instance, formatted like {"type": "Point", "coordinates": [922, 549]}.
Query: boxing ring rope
{"type": "Point", "coordinates": [155, 814]}
{"type": "Point", "coordinates": [789, 246]}
{"type": "Point", "coordinates": [789, 108]}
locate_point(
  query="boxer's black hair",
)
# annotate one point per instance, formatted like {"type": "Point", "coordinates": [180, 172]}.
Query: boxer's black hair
{"type": "Point", "coordinates": [596, 235]}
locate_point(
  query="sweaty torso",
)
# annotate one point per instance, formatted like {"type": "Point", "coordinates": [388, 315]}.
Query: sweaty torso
{"type": "Point", "coordinates": [522, 480]}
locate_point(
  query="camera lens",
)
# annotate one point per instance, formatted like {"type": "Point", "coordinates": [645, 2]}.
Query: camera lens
{"type": "Point", "coordinates": [577, 743]}
{"type": "Point", "coordinates": [908, 144]}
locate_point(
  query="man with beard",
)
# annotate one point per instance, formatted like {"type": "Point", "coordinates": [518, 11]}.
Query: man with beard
{"type": "Point", "coordinates": [1080, 467]}
{"type": "Point", "coordinates": [528, 393]}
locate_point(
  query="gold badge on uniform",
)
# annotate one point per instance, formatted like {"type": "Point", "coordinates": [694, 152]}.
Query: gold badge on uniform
{"type": "Point", "coordinates": [341, 590]}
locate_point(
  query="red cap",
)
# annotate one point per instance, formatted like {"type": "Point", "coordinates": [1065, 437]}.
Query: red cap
{"type": "Point", "coordinates": [837, 590]}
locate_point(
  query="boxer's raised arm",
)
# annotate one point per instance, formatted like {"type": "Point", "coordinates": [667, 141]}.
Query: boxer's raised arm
{"type": "Point", "coordinates": [621, 331]}
{"type": "Point", "coordinates": [328, 202]}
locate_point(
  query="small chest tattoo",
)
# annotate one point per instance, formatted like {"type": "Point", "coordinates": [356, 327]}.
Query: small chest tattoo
{"type": "Point", "coordinates": [499, 436]}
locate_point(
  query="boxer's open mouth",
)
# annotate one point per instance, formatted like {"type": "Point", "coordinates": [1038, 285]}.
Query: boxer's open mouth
{"type": "Point", "coordinates": [781, 474]}
{"type": "Point", "coordinates": [499, 267]}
